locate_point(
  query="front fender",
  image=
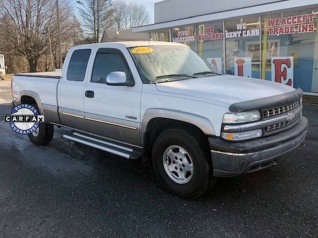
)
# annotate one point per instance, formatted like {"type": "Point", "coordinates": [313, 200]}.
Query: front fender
{"type": "Point", "coordinates": [201, 122]}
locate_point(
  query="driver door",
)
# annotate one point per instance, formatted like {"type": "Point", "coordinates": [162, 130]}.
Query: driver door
{"type": "Point", "coordinates": [112, 111]}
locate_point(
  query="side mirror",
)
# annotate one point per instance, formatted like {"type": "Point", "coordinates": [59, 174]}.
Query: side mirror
{"type": "Point", "coordinates": [118, 78]}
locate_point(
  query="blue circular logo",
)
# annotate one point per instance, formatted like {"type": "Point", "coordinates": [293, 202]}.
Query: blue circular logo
{"type": "Point", "coordinates": [24, 119]}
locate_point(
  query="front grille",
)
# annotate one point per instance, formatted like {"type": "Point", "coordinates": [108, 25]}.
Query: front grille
{"type": "Point", "coordinates": [274, 120]}
{"type": "Point", "coordinates": [290, 111]}
{"type": "Point", "coordinates": [279, 126]}
{"type": "Point", "coordinates": [272, 112]}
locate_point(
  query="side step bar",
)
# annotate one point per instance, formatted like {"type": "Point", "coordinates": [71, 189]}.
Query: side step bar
{"type": "Point", "coordinates": [105, 145]}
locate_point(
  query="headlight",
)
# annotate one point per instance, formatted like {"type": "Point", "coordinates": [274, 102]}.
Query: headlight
{"type": "Point", "coordinates": [241, 117]}
{"type": "Point", "coordinates": [240, 136]}
{"type": "Point", "coordinates": [301, 101]}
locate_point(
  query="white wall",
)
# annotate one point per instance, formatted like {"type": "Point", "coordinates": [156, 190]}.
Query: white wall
{"type": "Point", "coordinates": [170, 10]}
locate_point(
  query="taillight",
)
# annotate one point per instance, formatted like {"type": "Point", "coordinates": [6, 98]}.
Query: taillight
{"type": "Point", "coordinates": [11, 87]}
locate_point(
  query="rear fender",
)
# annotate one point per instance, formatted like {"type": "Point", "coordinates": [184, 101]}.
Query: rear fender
{"type": "Point", "coordinates": [31, 95]}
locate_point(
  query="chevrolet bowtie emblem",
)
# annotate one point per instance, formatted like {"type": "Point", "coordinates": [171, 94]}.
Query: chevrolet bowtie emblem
{"type": "Point", "coordinates": [290, 116]}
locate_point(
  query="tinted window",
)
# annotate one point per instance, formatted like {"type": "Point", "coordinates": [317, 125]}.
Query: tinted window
{"type": "Point", "coordinates": [78, 64]}
{"type": "Point", "coordinates": [105, 63]}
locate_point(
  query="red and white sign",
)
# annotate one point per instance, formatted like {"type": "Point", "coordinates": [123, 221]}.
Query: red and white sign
{"type": "Point", "coordinates": [293, 24]}
{"type": "Point", "coordinates": [283, 70]}
{"type": "Point", "coordinates": [210, 34]}
{"type": "Point", "coordinates": [243, 66]}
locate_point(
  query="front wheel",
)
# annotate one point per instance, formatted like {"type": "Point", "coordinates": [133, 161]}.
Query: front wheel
{"type": "Point", "coordinates": [42, 135]}
{"type": "Point", "coordinates": [181, 162]}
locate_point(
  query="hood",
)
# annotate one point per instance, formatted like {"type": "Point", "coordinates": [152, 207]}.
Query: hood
{"type": "Point", "coordinates": [226, 89]}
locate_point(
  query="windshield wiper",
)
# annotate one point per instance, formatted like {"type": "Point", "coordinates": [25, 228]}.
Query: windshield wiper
{"type": "Point", "coordinates": [172, 77]}
{"type": "Point", "coordinates": [206, 73]}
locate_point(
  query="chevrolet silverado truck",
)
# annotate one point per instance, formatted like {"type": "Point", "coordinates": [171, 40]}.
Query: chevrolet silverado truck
{"type": "Point", "coordinates": [159, 102]}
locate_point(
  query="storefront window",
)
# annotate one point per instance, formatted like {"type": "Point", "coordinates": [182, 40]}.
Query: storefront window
{"type": "Point", "coordinates": [160, 36]}
{"type": "Point", "coordinates": [291, 55]}
{"type": "Point", "coordinates": [242, 47]}
{"type": "Point", "coordinates": [210, 45]}
{"type": "Point", "coordinates": [280, 47]}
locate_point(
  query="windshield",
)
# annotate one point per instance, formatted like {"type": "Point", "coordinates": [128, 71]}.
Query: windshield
{"type": "Point", "coordinates": [166, 63]}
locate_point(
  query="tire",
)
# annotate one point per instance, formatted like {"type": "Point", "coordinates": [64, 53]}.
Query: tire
{"type": "Point", "coordinates": [182, 164]}
{"type": "Point", "coordinates": [43, 135]}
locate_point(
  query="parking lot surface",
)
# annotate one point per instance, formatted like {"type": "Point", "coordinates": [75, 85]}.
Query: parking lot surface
{"type": "Point", "coordinates": [70, 190]}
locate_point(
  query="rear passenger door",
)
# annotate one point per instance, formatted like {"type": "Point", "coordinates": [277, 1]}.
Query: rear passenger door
{"type": "Point", "coordinates": [71, 90]}
{"type": "Point", "coordinates": [112, 111]}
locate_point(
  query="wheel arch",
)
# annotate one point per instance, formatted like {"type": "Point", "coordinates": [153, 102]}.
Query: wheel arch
{"type": "Point", "coordinates": [157, 120]}
{"type": "Point", "coordinates": [31, 98]}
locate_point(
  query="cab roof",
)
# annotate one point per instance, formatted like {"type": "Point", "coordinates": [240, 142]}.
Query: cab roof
{"type": "Point", "coordinates": [127, 44]}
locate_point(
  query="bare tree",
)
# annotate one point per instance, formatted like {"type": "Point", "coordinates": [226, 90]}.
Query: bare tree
{"type": "Point", "coordinates": [121, 14]}
{"type": "Point", "coordinates": [96, 15]}
{"type": "Point", "coordinates": [31, 27]}
{"type": "Point", "coordinates": [130, 14]}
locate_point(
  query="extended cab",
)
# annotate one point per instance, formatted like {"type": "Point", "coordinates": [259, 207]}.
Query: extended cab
{"type": "Point", "coordinates": [160, 102]}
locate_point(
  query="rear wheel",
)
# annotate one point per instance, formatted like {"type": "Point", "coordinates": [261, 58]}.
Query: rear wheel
{"type": "Point", "coordinates": [181, 162]}
{"type": "Point", "coordinates": [43, 134]}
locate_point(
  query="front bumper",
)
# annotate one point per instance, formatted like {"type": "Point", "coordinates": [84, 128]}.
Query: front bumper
{"type": "Point", "coordinates": [235, 158]}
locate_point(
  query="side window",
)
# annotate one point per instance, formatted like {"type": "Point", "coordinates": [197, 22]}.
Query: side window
{"type": "Point", "coordinates": [77, 65]}
{"type": "Point", "coordinates": [107, 62]}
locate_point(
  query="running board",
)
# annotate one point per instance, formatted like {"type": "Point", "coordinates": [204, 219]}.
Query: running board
{"type": "Point", "coordinates": [105, 145]}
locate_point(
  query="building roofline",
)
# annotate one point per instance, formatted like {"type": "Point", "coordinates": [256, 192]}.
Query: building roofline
{"type": "Point", "coordinates": [263, 8]}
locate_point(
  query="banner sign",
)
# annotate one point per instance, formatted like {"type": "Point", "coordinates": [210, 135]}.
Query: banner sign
{"type": "Point", "coordinates": [242, 30]}
{"type": "Point", "coordinates": [210, 34]}
{"type": "Point", "coordinates": [183, 36]}
{"type": "Point", "coordinates": [293, 24]}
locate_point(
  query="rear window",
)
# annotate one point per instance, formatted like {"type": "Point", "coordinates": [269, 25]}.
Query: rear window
{"type": "Point", "coordinates": [78, 64]}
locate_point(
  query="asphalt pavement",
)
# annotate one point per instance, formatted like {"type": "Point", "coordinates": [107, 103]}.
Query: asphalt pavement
{"type": "Point", "coordinates": [70, 190]}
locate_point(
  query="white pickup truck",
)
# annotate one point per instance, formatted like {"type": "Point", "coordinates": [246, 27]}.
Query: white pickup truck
{"type": "Point", "coordinates": [161, 103]}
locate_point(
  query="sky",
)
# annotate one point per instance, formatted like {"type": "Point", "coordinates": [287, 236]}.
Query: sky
{"type": "Point", "coordinates": [149, 4]}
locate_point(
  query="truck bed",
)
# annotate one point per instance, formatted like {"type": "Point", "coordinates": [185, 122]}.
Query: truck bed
{"type": "Point", "coordinates": [40, 86]}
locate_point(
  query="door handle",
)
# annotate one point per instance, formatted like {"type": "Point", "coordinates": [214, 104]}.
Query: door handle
{"type": "Point", "coordinates": [89, 94]}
